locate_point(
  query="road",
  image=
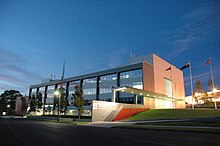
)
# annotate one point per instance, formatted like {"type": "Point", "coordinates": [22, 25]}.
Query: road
{"type": "Point", "coordinates": [27, 132]}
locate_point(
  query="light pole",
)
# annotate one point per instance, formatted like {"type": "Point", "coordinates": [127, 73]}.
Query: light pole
{"type": "Point", "coordinates": [8, 108]}
{"type": "Point", "coordinates": [214, 92]}
{"type": "Point", "coordinates": [57, 93]}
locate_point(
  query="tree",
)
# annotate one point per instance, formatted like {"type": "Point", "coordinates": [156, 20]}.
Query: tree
{"type": "Point", "coordinates": [33, 104]}
{"type": "Point", "coordinates": [78, 100]}
{"type": "Point", "coordinates": [199, 87]}
{"type": "Point", "coordinates": [199, 90]}
{"type": "Point", "coordinates": [8, 101]}
{"type": "Point", "coordinates": [3, 105]}
{"type": "Point", "coordinates": [62, 99]}
{"type": "Point", "coordinates": [39, 102]}
{"type": "Point", "coordinates": [23, 105]}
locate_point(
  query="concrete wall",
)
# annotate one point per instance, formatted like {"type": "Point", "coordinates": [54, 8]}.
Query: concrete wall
{"type": "Point", "coordinates": [148, 77]}
{"type": "Point", "coordinates": [110, 111]}
{"type": "Point", "coordinates": [19, 104]}
{"type": "Point", "coordinates": [174, 74]}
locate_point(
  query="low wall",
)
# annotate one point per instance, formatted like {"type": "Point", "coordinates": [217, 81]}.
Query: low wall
{"type": "Point", "coordinates": [110, 111]}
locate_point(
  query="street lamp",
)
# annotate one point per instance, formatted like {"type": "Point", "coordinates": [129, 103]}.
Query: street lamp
{"type": "Point", "coordinates": [214, 91]}
{"type": "Point", "coordinates": [8, 108]}
{"type": "Point", "coordinates": [57, 93]}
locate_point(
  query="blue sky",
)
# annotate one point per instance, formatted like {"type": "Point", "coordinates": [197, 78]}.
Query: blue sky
{"type": "Point", "coordinates": [36, 36]}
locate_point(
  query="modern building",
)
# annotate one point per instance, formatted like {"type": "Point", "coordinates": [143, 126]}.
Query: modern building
{"type": "Point", "coordinates": [149, 81]}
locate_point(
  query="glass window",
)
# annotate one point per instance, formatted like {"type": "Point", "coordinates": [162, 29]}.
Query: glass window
{"type": "Point", "coordinates": [110, 77]}
{"type": "Point", "coordinates": [89, 81]}
{"type": "Point", "coordinates": [51, 87]}
{"type": "Point", "coordinates": [42, 89]}
{"type": "Point", "coordinates": [34, 90]}
{"type": "Point", "coordinates": [168, 87]}
{"type": "Point", "coordinates": [63, 84]}
{"type": "Point", "coordinates": [130, 74]}
{"type": "Point", "coordinates": [74, 83]}
{"type": "Point", "coordinates": [105, 90]}
{"type": "Point", "coordinates": [89, 91]}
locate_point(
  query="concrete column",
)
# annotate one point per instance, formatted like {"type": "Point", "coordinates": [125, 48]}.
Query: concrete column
{"type": "Point", "coordinates": [135, 99]}
{"type": "Point", "coordinates": [113, 95]}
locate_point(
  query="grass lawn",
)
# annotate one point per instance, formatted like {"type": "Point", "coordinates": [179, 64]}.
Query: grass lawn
{"type": "Point", "coordinates": [159, 127]}
{"type": "Point", "coordinates": [186, 123]}
{"type": "Point", "coordinates": [155, 114]}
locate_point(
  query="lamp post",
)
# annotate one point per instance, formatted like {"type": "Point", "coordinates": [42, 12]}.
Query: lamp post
{"type": "Point", "coordinates": [57, 93]}
{"type": "Point", "coordinates": [214, 91]}
{"type": "Point", "coordinates": [8, 108]}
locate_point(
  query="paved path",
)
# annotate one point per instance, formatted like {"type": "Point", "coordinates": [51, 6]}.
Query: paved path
{"type": "Point", "coordinates": [123, 123]}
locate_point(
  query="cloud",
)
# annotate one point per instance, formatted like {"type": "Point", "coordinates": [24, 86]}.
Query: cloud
{"type": "Point", "coordinates": [198, 21]}
{"type": "Point", "coordinates": [14, 73]}
{"type": "Point", "coordinates": [181, 45]}
{"type": "Point", "coordinates": [202, 12]}
{"type": "Point", "coordinates": [9, 56]}
{"type": "Point", "coordinates": [19, 69]}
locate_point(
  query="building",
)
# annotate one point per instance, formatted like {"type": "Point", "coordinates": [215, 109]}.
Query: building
{"type": "Point", "coordinates": [150, 81]}
{"type": "Point", "coordinates": [199, 98]}
{"type": "Point", "coordinates": [18, 106]}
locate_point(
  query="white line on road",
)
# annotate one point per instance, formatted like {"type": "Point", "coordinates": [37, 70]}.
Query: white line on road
{"type": "Point", "coordinates": [152, 142]}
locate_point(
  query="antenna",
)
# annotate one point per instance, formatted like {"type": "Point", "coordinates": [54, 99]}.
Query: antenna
{"type": "Point", "coordinates": [63, 73]}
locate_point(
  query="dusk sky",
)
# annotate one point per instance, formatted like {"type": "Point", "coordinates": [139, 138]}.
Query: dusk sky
{"type": "Point", "coordinates": [36, 36]}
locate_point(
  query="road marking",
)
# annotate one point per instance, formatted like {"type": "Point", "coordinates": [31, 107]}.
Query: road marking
{"type": "Point", "coordinates": [152, 142]}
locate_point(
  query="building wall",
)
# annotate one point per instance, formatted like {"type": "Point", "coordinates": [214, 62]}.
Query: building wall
{"type": "Point", "coordinates": [148, 76]}
{"type": "Point", "coordinates": [175, 75]}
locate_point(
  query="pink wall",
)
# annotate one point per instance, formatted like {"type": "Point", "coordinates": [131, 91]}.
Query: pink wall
{"type": "Point", "coordinates": [160, 66]}
{"type": "Point", "coordinates": [160, 73]}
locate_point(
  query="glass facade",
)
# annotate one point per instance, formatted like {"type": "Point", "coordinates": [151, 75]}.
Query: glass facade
{"type": "Point", "coordinates": [105, 86]}
{"type": "Point", "coordinates": [33, 92]}
{"type": "Point", "coordinates": [71, 91]}
{"type": "Point", "coordinates": [105, 83]}
{"type": "Point", "coordinates": [42, 92]}
{"type": "Point", "coordinates": [131, 74]}
{"type": "Point", "coordinates": [89, 90]}
{"type": "Point", "coordinates": [132, 79]}
{"type": "Point", "coordinates": [111, 77]}
{"type": "Point", "coordinates": [50, 99]}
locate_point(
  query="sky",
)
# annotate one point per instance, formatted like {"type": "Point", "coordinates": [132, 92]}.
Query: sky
{"type": "Point", "coordinates": [37, 36]}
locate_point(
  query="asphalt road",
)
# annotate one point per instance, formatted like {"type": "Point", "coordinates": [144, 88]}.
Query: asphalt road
{"type": "Point", "coordinates": [26, 132]}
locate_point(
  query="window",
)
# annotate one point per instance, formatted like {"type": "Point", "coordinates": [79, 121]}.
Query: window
{"type": "Point", "coordinates": [51, 87]}
{"type": "Point", "coordinates": [89, 91]}
{"type": "Point", "coordinates": [63, 85]}
{"type": "Point", "coordinates": [105, 90]}
{"type": "Point", "coordinates": [168, 87]}
{"type": "Point", "coordinates": [74, 83]}
{"type": "Point", "coordinates": [89, 81]}
{"type": "Point", "coordinates": [110, 77]}
{"type": "Point", "coordinates": [130, 74]}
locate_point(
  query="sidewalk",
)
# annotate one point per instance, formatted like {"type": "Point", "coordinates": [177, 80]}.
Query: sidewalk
{"type": "Point", "coordinates": [124, 123]}
{"type": "Point", "coordinates": [150, 125]}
